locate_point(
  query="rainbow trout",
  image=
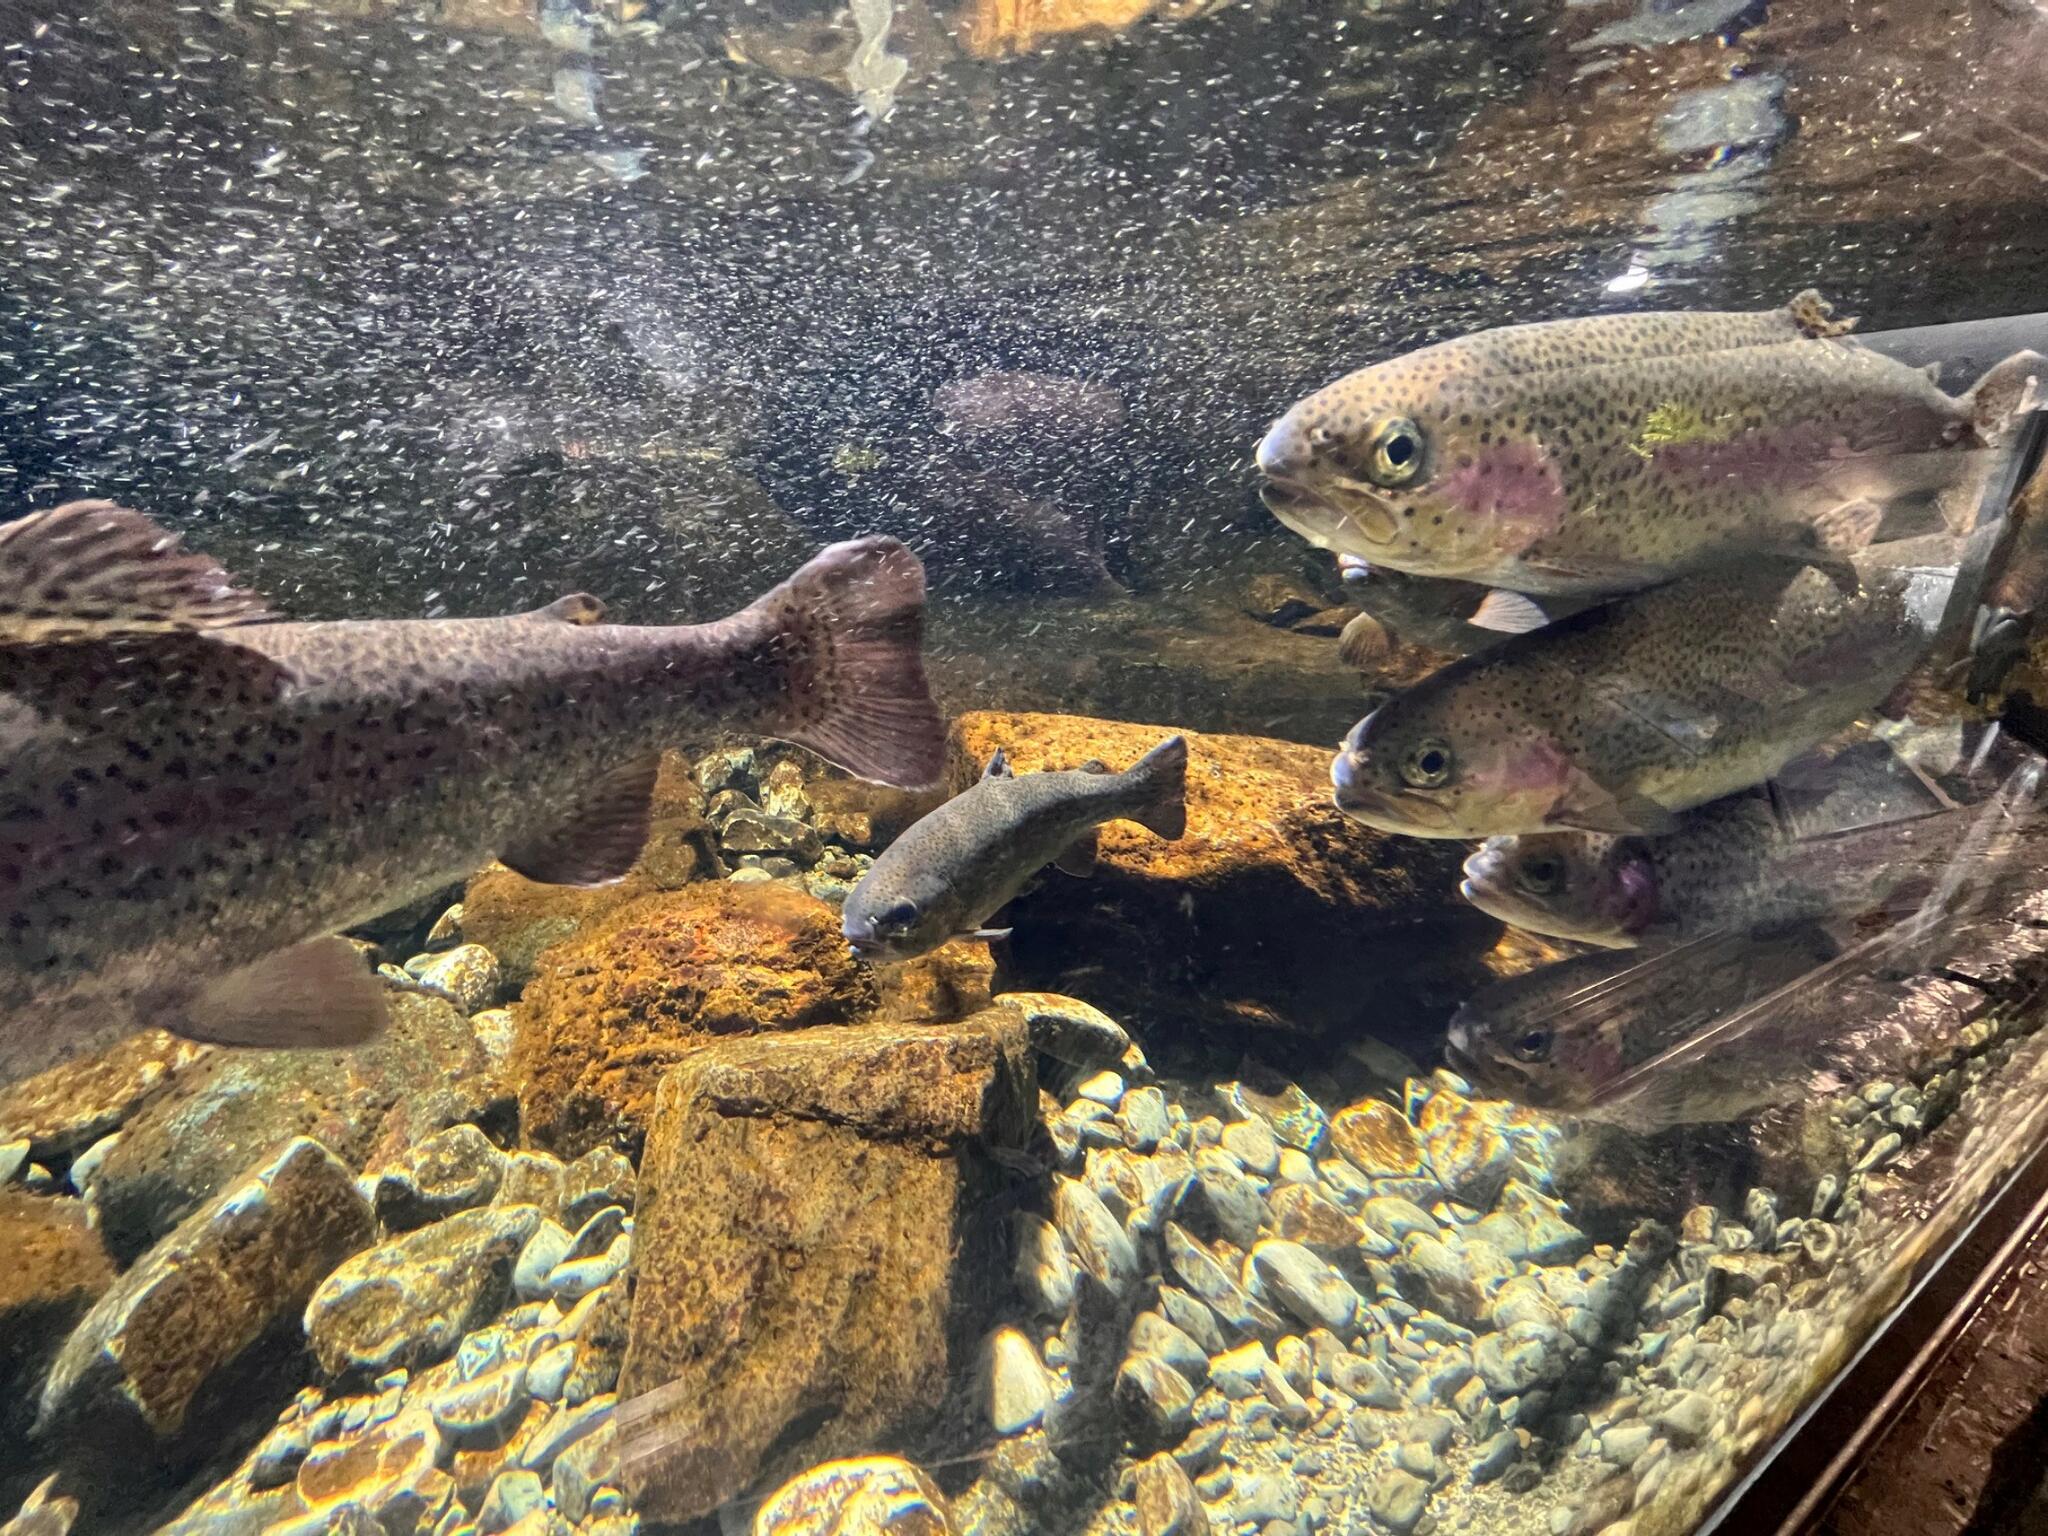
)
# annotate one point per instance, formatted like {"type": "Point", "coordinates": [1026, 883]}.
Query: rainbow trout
{"type": "Point", "coordinates": [1615, 719]}
{"type": "Point", "coordinates": [1601, 455]}
{"type": "Point", "coordinates": [195, 799]}
{"type": "Point", "coordinates": [1617, 1037]}
{"type": "Point", "coordinates": [957, 867]}
{"type": "Point", "coordinates": [1716, 1026]}
{"type": "Point", "coordinates": [1732, 864]}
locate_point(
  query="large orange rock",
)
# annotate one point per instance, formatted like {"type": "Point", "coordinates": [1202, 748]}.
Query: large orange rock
{"type": "Point", "coordinates": [610, 1011]}
{"type": "Point", "coordinates": [816, 1237]}
{"type": "Point", "coordinates": [1275, 910]}
{"type": "Point", "coordinates": [54, 1271]}
{"type": "Point", "coordinates": [992, 29]}
{"type": "Point", "coordinates": [516, 918]}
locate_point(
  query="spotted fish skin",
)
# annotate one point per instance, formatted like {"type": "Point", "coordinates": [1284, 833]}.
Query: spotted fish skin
{"type": "Point", "coordinates": [179, 808]}
{"type": "Point", "coordinates": [1599, 455]}
{"type": "Point", "coordinates": [1732, 864]}
{"type": "Point", "coordinates": [1615, 719]}
{"type": "Point", "coordinates": [1590, 1036]}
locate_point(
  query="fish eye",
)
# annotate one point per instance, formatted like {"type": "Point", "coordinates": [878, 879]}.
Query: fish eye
{"type": "Point", "coordinates": [1429, 765]}
{"type": "Point", "coordinates": [1541, 875]}
{"type": "Point", "coordinates": [1532, 1045]}
{"type": "Point", "coordinates": [901, 914]}
{"type": "Point", "coordinates": [1396, 453]}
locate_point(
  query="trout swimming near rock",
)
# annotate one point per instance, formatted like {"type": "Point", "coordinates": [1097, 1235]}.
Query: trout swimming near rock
{"type": "Point", "coordinates": [196, 798]}
{"type": "Point", "coordinates": [1623, 715]}
{"type": "Point", "coordinates": [957, 867]}
{"type": "Point", "coordinates": [1603, 454]}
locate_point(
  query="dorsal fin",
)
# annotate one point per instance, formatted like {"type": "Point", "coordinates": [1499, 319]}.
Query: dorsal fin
{"type": "Point", "coordinates": [998, 766]}
{"type": "Point", "coordinates": [1814, 316]}
{"type": "Point", "coordinates": [90, 570]}
{"type": "Point", "coordinates": [573, 608]}
{"type": "Point", "coordinates": [602, 839]}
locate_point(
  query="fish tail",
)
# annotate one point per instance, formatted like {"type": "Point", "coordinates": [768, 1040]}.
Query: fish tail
{"type": "Point", "coordinates": [1163, 774]}
{"type": "Point", "coordinates": [848, 630]}
{"type": "Point", "coordinates": [2006, 391]}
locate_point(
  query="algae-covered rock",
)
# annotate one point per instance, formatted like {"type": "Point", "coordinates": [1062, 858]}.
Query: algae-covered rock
{"type": "Point", "coordinates": [865, 1496]}
{"type": "Point", "coordinates": [54, 1270]}
{"type": "Point", "coordinates": [409, 1300]}
{"type": "Point", "coordinates": [1274, 910]}
{"type": "Point", "coordinates": [953, 981]}
{"type": "Point", "coordinates": [61, 1112]}
{"type": "Point", "coordinates": [221, 1114]}
{"type": "Point", "coordinates": [609, 1012]}
{"type": "Point", "coordinates": [863, 816]}
{"type": "Point", "coordinates": [450, 1171]}
{"type": "Point", "coordinates": [192, 1305]}
{"type": "Point", "coordinates": [516, 918]}
{"type": "Point", "coordinates": [809, 1208]}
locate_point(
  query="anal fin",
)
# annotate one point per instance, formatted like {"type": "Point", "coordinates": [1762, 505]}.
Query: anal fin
{"type": "Point", "coordinates": [318, 995]}
{"type": "Point", "coordinates": [602, 840]}
{"type": "Point", "coordinates": [1079, 856]}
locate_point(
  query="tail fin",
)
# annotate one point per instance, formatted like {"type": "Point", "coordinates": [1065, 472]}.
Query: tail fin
{"type": "Point", "coordinates": [849, 627]}
{"type": "Point", "coordinates": [1163, 774]}
{"type": "Point", "coordinates": [2006, 391]}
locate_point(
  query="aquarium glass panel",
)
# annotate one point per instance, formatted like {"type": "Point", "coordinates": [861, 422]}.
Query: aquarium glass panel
{"type": "Point", "coordinates": [1004, 767]}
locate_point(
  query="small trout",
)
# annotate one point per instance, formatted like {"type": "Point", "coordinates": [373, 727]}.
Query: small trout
{"type": "Point", "coordinates": [1603, 454]}
{"type": "Point", "coordinates": [195, 799]}
{"type": "Point", "coordinates": [960, 865]}
{"type": "Point", "coordinates": [1619, 717]}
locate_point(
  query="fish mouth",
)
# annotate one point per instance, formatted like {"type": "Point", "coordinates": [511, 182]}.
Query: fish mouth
{"type": "Point", "coordinates": [868, 945]}
{"type": "Point", "coordinates": [1404, 814]}
{"type": "Point", "coordinates": [1356, 525]}
{"type": "Point", "coordinates": [1482, 886]}
{"type": "Point", "coordinates": [1460, 1055]}
{"type": "Point", "coordinates": [1481, 895]}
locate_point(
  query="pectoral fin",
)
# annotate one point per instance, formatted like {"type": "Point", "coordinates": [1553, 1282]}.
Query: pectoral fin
{"type": "Point", "coordinates": [319, 995]}
{"type": "Point", "coordinates": [601, 842]}
{"type": "Point", "coordinates": [1591, 807]}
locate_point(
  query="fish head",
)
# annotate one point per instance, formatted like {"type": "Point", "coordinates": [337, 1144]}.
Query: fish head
{"type": "Point", "coordinates": [894, 920]}
{"type": "Point", "coordinates": [1535, 1052]}
{"type": "Point", "coordinates": [1412, 467]}
{"type": "Point", "coordinates": [1423, 766]}
{"type": "Point", "coordinates": [1587, 886]}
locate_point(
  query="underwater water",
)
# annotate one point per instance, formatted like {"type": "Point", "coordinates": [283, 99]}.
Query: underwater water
{"type": "Point", "coordinates": [1544, 951]}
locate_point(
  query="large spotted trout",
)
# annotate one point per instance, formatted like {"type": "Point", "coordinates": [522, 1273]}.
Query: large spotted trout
{"type": "Point", "coordinates": [196, 798]}
{"type": "Point", "coordinates": [1602, 455]}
